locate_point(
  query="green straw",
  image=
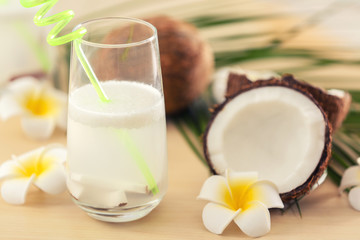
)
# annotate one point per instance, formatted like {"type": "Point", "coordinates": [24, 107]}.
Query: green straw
{"type": "Point", "coordinates": [139, 160]}
{"type": "Point", "coordinates": [89, 71]}
{"type": "Point", "coordinates": [62, 19]}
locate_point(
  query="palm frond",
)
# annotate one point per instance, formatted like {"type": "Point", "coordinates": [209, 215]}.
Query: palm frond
{"type": "Point", "coordinates": [346, 143]}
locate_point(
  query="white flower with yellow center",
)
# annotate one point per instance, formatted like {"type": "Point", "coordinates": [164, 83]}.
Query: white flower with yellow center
{"type": "Point", "coordinates": [43, 167]}
{"type": "Point", "coordinates": [239, 196]}
{"type": "Point", "coordinates": [40, 106]}
{"type": "Point", "coordinates": [351, 180]}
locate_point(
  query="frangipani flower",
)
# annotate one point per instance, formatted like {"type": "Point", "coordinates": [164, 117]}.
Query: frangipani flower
{"type": "Point", "coordinates": [351, 179]}
{"type": "Point", "coordinates": [43, 167]}
{"type": "Point", "coordinates": [40, 106]}
{"type": "Point", "coordinates": [239, 196]}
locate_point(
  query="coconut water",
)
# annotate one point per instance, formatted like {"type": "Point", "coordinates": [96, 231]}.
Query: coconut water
{"type": "Point", "coordinates": [117, 156]}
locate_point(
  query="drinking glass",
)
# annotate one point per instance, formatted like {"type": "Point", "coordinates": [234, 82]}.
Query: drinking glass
{"type": "Point", "coordinates": [117, 158]}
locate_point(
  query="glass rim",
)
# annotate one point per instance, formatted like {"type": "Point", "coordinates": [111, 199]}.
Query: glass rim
{"type": "Point", "coordinates": [117, 45]}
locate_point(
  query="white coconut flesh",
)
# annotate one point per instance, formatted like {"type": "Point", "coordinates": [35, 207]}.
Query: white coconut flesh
{"type": "Point", "coordinates": [276, 131]}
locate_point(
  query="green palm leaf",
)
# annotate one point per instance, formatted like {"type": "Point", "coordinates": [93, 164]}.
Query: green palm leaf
{"type": "Point", "coordinates": [258, 44]}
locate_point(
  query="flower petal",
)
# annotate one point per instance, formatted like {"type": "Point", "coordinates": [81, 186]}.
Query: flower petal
{"type": "Point", "coordinates": [265, 192]}
{"type": "Point", "coordinates": [38, 128]}
{"type": "Point", "coordinates": [217, 217]}
{"type": "Point", "coordinates": [22, 85]}
{"type": "Point", "coordinates": [61, 117]}
{"type": "Point", "coordinates": [351, 177]}
{"type": "Point", "coordinates": [56, 152]}
{"type": "Point", "coordinates": [7, 169]}
{"type": "Point", "coordinates": [28, 157]}
{"type": "Point", "coordinates": [255, 220]}
{"type": "Point", "coordinates": [215, 190]}
{"type": "Point", "coordinates": [354, 198]}
{"type": "Point", "coordinates": [9, 106]}
{"type": "Point", "coordinates": [235, 177]}
{"type": "Point", "coordinates": [52, 180]}
{"type": "Point", "coordinates": [14, 93]}
{"type": "Point", "coordinates": [14, 191]}
{"type": "Point", "coordinates": [239, 182]}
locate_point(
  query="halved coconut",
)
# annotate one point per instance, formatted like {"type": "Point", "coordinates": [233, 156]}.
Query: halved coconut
{"type": "Point", "coordinates": [221, 78]}
{"type": "Point", "coordinates": [334, 102]}
{"type": "Point", "coordinates": [274, 128]}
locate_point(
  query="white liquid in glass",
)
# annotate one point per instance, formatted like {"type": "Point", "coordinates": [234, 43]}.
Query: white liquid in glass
{"type": "Point", "coordinates": [106, 140]}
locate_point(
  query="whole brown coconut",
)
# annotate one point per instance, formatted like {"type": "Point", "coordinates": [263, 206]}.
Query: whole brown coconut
{"type": "Point", "coordinates": [187, 61]}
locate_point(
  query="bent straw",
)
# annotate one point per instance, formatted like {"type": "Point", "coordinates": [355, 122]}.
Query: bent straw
{"type": "Point", "coordinates": [62, 19]}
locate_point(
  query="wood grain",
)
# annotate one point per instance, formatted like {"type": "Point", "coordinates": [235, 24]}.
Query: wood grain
{"type": "Point", "coordinates": [326, 215]}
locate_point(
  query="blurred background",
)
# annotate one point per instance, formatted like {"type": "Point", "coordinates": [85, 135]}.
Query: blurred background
{"type": "Point", "coordinates": [317, 40]}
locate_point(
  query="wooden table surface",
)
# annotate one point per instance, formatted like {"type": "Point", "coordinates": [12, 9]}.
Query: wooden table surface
{"type": "Point", "coordinates": [326, 215]}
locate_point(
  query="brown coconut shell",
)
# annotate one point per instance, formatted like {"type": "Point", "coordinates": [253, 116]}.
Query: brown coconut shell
{"type": "Point", "coordinates": [187, 61]}
{"type": "Point", "coordinates": [107, 61]}
{"type": "Point", "coordinates": [336, 108]}
{"type": "Point", "coordinates": [247, 85]}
